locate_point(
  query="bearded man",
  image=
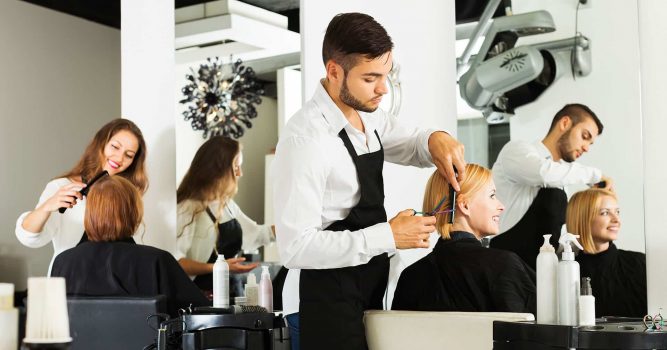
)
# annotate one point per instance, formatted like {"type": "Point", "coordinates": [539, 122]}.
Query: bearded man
{"type": "Point", "coordinates": [530, 178]}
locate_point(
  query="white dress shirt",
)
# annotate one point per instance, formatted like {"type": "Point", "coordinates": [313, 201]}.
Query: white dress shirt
{"type": "Point", "coordinates": [316, 184]}
{"type": "Point", "coordinates": [196, 237]}
{"type": "Point", "coordinates": [522, 168]}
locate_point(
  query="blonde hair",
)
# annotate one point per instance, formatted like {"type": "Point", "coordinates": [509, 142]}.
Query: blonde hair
{"type": "Point", "coordinates": [113, 209]}
{"type": "Point", "coordinates": [476, 176]}
{"type": "Point", "coordinates": [582, 208]}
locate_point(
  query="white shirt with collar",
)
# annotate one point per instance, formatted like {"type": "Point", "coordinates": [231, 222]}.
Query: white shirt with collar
{"type": "Point", "coordinates": [522, 168]}
{"type": "Point", "coordinates": [196, 236]}
{"type": "Point", "coordinates": [315, 184]}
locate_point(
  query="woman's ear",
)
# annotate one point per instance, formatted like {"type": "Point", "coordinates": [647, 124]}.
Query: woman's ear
{"type": "Point", "coordinates": [462, 206]}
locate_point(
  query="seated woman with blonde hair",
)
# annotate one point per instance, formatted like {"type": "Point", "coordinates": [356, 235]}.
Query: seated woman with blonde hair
{"type": "Point", "coordinates": [111, 264]}
{"type": "Point", "coordinates": [460, 274]}
{"type": "Point", "coordinates": [618, 277]}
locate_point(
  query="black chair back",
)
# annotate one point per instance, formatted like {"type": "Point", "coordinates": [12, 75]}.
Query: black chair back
{"type": "Point", "coordinates": [113, 322]}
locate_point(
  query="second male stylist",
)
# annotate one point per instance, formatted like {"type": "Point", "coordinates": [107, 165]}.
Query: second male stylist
{"type": "Point", "coordinates": [331, 225]}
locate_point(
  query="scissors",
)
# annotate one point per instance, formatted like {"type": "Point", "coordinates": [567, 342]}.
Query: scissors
{"type": "Point", "coordinates": [655, 322]}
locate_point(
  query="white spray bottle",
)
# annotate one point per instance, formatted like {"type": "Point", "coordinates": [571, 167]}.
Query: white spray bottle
{"type": "Point", "coordinates": [547, 267]}
{"type": "Point", "coordinates": [266, 289]}
{"type": "Point", "coordinates": [568, 282]}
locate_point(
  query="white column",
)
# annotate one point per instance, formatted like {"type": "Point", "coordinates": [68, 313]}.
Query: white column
{"type": "Point", "coordinates": [652, 32]}
{"type": "Point", "coordinates": [147, 64]}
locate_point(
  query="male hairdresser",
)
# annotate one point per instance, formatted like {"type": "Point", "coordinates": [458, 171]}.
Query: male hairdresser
{"type": "Point", "coordinates": [331, 225]}
{"type": "Point", "coordinates": [530, 178]}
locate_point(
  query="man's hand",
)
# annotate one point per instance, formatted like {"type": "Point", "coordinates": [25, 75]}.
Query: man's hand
{"type": "Point", "coordinates": [447, 153]}
{"type": "Point", "coordinates": [606, 182]}
{"type": "Point", "coordinates": [411, 231]}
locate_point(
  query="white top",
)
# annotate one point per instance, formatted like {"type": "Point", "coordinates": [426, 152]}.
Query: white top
{"type": "Point", "coordinates": [315, 184]}
{"type": "Point", "coordinates": [522, 168]}
{"type": "Point", "coordinates": [197, 240]}
{"type": "Point", "coordinates": [64, 230]}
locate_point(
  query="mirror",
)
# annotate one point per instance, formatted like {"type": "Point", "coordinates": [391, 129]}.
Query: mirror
{"type": "Point", "coordinates": [264, 36]}
{"type": "Point", "coordinates": [611, 90]}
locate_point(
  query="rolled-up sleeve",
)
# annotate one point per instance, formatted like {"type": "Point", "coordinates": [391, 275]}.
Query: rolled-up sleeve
{"type": "Point", "coordinates": [404, 144]}
{"type": "Point", "coordinates": [301, 167]}
{"type": "Point", "coordinates": [51, 227]}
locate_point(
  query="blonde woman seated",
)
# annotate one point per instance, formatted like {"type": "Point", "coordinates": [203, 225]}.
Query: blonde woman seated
{"type": "Point", "coordinates": [459, 274]}
{"type": "Point", "coordinates": [111, 264]}
{"type": "Point", "coordinates": [618, 277]}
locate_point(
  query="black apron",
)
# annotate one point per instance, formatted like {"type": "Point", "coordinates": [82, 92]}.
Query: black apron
{"type": "Point", "coordinates": [229, 241]}
{"type": "Point", "coordinates": [545, 216]}
{"type": "Point", "coordinates": [332, 301]}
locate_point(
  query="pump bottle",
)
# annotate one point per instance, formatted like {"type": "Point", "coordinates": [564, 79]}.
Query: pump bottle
{"type": "Point", "coordinates": [220, 282]}
{"type": "Point", "coordinates": [568, 282]}
{"type": "Point", "coordinates": [547, 267]}
{"type": "Point", "coordinates": [586, 303]}
{"type": "Point", "coordinates": [252, 290]}
{"type": "Point", "coordinates": [266, 290]}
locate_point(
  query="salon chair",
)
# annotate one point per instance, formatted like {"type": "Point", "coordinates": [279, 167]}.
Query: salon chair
{"type": "Point", "coordinates": [389, 330]}
{"type": "Point", "coordinates": [113, 322]}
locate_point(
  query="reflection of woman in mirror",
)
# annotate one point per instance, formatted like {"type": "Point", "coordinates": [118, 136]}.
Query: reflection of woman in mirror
{"type": "Point", "coordinates": [111, 264]}
{"type": "Point", "coordinates": [618, 277]}
{"type": "Point", "coordinates": [459, 274]}
{"type": "Point", "coordinates": [208, 218]}
{"type": "Point", "coordinates": [119, 148]}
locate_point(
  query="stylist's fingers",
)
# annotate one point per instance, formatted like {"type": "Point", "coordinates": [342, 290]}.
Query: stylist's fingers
{"type": "Point", "coordinates": [447, 167]}
{"type": "Point", "coordinates": [234, 260]}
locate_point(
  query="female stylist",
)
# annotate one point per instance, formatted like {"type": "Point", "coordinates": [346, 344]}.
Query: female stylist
{"type": "Point", "coordinates": [210, 221]}
{"type": "Point", "coordinates": [119, 148]}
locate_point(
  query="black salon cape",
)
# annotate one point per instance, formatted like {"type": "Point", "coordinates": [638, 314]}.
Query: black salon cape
{"type": "Point", "coordinates": [618, 279]}
{"type": "Point", "coordinates": [461, 275]}
{"type": "Point", "coordinates": [123, 268]}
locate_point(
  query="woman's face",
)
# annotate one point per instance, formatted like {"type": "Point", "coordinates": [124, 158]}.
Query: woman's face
{"type": "Point", "coordinates": [485, 209]}
{"type": "Point", "coordinates": [607, 221]}
{"type": "Point", "coordinates": [119, 152]}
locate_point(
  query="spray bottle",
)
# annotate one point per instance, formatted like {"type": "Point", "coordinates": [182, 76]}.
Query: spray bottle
{"type": "Point", "coordinates": [547, 267]}
{"type": "Point", "coordinates": [266, 290]}
{"type": "Point", "coordinates": [568, 282]}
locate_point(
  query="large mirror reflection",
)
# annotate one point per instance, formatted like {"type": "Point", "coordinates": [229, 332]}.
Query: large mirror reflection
{"type": "Point", "coordinates": [605, 82]}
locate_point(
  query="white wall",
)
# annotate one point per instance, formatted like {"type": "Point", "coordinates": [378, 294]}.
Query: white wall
{"type": "Point", "coordinates": [147, 46]}
{"type": "Point", "coordinates": [652, 32]}
{"type": "Point", "coordinates": [60, 83]}
{"type": "Point", "coordinates": [425, 50]}
{"type": "Point", "coordinates": [612, 91]}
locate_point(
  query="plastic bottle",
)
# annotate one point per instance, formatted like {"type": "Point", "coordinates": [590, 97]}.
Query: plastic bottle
{"type": "Point", "coordinates": [547, 267]}
{"type": "Point", "coordinates": [568, 282]}
{"type": "Point", "coordinates": [220, 282]}
{"type": "Point", "coordinates": [252, 290]}
{"type": "Point", "coordinates": [586, 303]}
{"type": "Point", "coordinates": [266, 290]}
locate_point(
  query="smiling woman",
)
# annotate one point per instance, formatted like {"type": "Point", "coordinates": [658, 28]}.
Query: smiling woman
{"type": "Point", "coordinates": [618, 277]}
{"type": "Point", "coordinates": [119, 148]}
{"type": "Point", "coordinates": [460, 274]}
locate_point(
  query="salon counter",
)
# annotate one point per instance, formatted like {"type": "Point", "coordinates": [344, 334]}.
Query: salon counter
{"type": "Point", "coordinates": [610, 335]}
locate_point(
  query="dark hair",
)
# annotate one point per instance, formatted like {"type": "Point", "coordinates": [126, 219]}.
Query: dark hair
{"type": "Point", "coordinates": [350, 35]}
{"type": "Point", "coordinates": [577, 113]}
{"type": "Point", "coordinates": [90, 163]}
{"type": "Point", "coordinates": [113, 210]}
